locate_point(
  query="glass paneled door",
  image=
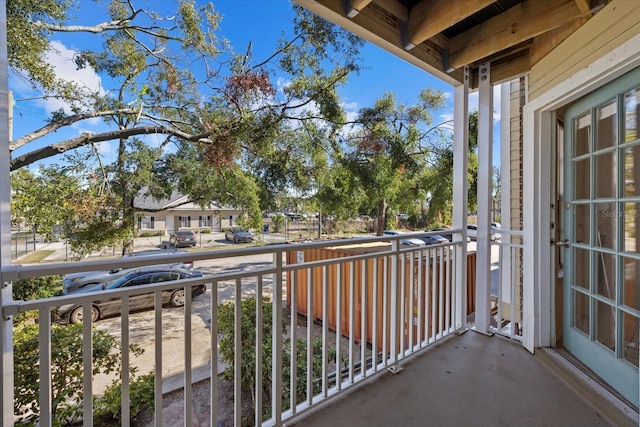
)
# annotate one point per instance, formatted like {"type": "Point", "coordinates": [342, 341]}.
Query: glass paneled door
{"type": "Point", "coordinates": [601, 316]}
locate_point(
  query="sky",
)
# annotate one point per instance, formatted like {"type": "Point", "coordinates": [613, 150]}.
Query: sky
{"type": "Point", "coordinates": [260, 22]}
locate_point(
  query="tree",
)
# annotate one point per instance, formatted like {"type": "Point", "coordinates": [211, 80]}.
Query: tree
{"type": "Point", "coordinates": [172, 77]}
{"type": "Point", "coordinates": [385, 156]}
{"type": "Point", "coordinates": [439, 178]}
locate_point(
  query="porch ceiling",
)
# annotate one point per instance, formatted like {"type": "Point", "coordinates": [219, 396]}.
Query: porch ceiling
{"type": "Point", "coordinates": [443, 36]}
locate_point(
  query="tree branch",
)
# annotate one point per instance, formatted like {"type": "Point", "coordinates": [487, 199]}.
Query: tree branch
{"type": "Point", "coordinates": [89, 138]}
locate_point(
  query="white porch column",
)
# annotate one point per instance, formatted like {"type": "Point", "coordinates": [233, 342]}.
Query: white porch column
{"type": "Point", "coordinates": [483, 244]}
{"type": "Point", "coordinates": [6, 335]}
{"type": "Point", "coordinates": [505, 191]}
{"type": "Point", "coordinates": [460, 195]}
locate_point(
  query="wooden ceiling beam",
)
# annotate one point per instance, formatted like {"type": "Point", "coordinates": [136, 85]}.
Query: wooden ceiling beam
{"type": "Point", "coordinates": [428, 18]}
{"type": "Point", "coordinates": [395, 8]}
{"type": "Point", "coordinates": [584, 6]}
{"type": "Point", "coordinates": [355, 6]}
{"type": "Point", "coordinates": [520, 23]}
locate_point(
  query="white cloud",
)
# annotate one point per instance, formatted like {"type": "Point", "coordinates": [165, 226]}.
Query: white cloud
{"type": "Point", "coordinates": [61, 59]}
{"type": "Point", "coordinates": [473, 102]}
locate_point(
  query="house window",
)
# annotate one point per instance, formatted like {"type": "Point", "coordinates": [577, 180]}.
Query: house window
{"type": "Point", "coordinates": [185, 221]}
{"type": "Point", "coordinates": [205, 221]}
{"type": "Point", "coordinates": [146, 223]}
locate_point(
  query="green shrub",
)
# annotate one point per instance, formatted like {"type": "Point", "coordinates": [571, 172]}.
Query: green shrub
{"type": "Point", "coordinates": [107, 409]}
{"type": "Point", "coordinates": [205, 231]}
{"type": "Point", "coordinates": [151, 233]}
{"type": "Point", "coordinates": [66, 370]}
{"type": "Point", "coordinates": [35, 288]}
{"type": "Point", "coordinates": [248, 380]}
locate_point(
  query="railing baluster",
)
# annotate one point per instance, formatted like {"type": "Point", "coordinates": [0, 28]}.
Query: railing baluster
{"type": "Point", "coordinates": [188, 391]}
{"type": "Point", "coordinates": [259, 338]}
{"type": "Point", "coordinates": [363, 318]}
{"type": "Point", "coordinates": [338, 326]}
{"type": "Point", "coordinates": [374, 314]}
{"type": "Point", "coordinates": [512, 288]}
{"type": "Point", "coordinates": [158, 359]}
{"type": "Point", "coordinates": [325, 331]}
{"type": "Point", "coordinates": [447, 310]}
{"type": "Point", "coordinates": [419, 300]}
{"type": "Point", "coordinates": [44, 344]}
{"type": "Point", "coordinates": [434, 294]}
{"type": "Point", "coordinates": [237, 357]}
{"type": "Point", "coordinates": [427, 292]}
{"type": "Point", "coordinates": [385, 309]}
{"type": "Point", "coordinates": [293, 362]}
{"type": "Point", "coordinates": [214, 354]}
{"type": "Point", "coordinates": [352, 320]}
{"type": "Point", "coordinates": [441, 292]}
{"type": "Point", "coordinates": [87, 365]}
{"type": "Point", "coordinates": [395, 275]}
{"type": "Point", "coordinates": [126, 367]}
{"type": "Point", "coordinates": [276, 324]}
{"type": "Point", "coordinates": [411, 302]}
{"type": "Point", "coordinates": [310, 316]}
{"type": "Point", "coordinates": [402, 284]}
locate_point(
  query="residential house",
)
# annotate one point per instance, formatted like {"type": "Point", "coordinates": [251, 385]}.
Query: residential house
{"type": "Point", "coordinates": [177, 212]}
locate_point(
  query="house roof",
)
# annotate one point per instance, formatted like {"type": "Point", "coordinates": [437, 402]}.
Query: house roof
{"type": "Point", "coordinates": [444, 36]}
{"type": "Point", "coordinates": [176, 201]}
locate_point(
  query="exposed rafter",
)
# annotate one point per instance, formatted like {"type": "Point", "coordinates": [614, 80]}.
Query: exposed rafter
{"type": "Point", "coordinates": [583, 5]}
{"type": "Point", "coordinates": [353, 7]}
{"type": "Point", "coordinates": [429, 18]}
{"type": "Point", "coordinates": [518, 24]}
{"type": "Point", "coordinates": [443, 36]}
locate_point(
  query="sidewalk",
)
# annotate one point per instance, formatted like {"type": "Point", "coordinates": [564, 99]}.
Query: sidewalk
{"type": "Point", "coordinates": [63, 253]}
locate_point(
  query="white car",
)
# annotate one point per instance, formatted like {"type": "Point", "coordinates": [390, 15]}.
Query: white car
{"type": "Point", "coordinates": [408, 241]}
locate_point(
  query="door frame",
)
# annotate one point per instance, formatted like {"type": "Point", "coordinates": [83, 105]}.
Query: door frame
{"type": "Point", "coordinates": [539, 130]}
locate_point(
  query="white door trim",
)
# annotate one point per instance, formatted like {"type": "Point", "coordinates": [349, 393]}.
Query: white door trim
{"type": "Point", "coordinates": [539, 129]}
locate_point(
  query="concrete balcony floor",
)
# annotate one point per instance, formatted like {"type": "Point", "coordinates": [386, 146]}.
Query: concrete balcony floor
{"type": "Point", "coordinates": [475, 380]}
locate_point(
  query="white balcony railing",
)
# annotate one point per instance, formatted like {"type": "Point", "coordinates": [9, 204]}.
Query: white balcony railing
{"type": "Point", "coordinates": [507, 311]}
{"type": "Point", "coordinates": [373, 307]}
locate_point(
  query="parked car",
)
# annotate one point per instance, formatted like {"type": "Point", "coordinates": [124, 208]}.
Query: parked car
{"type": "Point", "coordinates": [74, 281]}
{"type": "Point", "coordinates": [434, 240]}
{"type": "Point", "coordinates": [445, 232]}
{"type": "Point", "coordinates": [408, 241]}
{"type": "Point", "coordinates": [183, 239]}
{"type": "Point", "coordinates": [403, 216]}
{"type": "Point", "coordinates": [238, 235]}
{"type": "Point", "coordinates": [73, 313]}
{"type": "Point", "coordinates": [472, 232]}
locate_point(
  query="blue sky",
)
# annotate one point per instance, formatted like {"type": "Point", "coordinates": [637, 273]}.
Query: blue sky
{"type": "Point", "coordinates": [260, 22]}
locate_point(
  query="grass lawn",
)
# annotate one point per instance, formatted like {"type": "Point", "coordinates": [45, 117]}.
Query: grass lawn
{"type": "Point", "coordinates": [35, 257]}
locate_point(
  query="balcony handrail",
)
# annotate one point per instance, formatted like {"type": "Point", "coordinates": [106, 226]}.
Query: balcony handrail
{"type": "Point", "coordinates": [17, 271]}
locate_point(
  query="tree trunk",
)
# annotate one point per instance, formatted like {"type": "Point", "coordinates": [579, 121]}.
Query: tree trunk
{"type": "Point", "coordinates": [382, 217]}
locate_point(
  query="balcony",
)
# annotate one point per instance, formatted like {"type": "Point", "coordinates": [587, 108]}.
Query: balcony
{"type": "Point", "coordinates": [396, 345]}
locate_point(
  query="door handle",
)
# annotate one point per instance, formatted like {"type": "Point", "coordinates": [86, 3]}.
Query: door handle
{"type": "Point", "coordinates": [563, 243]}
